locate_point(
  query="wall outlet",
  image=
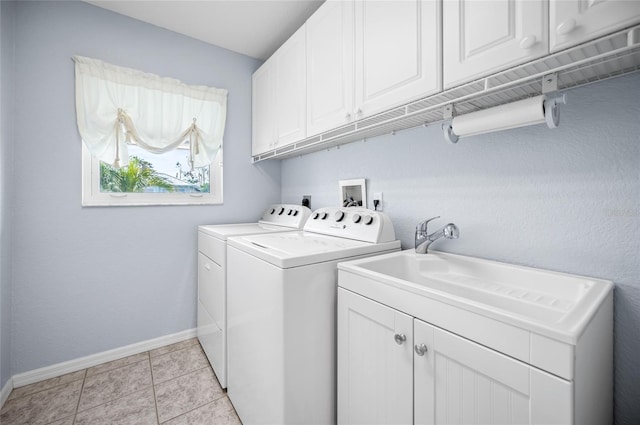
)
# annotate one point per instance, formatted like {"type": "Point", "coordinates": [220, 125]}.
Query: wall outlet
{"type": "Point", "coordinates": [377, 199]}
{"type": "Point", "coordinates": [306, 201]}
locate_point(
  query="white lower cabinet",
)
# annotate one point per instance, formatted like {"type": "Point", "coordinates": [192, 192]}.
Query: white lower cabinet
{"type": "Point", "coordinates": [457, 381]}
{"type": "Point", "coordinates": [395, 369]}
{"type": "Point", "coordinates": [375, 373]}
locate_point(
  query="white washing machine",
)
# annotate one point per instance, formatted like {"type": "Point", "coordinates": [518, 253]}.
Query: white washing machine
{"type": "Point", "coordinates": [282, 314]}
{"type": "Point", "coordinates": [212, 276]}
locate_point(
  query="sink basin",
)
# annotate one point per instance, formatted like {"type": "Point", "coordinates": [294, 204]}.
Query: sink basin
{"type": "Point", "coordinates": [555, 304]}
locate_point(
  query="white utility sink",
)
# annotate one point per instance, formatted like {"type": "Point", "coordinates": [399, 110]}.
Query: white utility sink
{"type": "Point", "coordinates": [554, 304]}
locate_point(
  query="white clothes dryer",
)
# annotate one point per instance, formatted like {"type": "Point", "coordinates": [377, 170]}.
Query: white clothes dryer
{"type": "Point", "coordinates": [212, 276]}
{"type": "Point", "coordinates": [282, 314]}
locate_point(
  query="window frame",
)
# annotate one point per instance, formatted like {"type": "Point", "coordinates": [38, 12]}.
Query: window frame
{"type": "Point", "coordinates": [93, 197]}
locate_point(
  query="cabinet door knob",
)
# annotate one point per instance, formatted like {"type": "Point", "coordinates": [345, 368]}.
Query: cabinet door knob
{"type": "Point", "coordinates": [207, 267]}
{"type": "Point", "coordinates": [358, 112]}
{"type": "Point", "coordinates": [528, 42]}
{"type": "Point", "coordinates": [400, 338]}
{"type": "Point", "coordinates": [347, 117]}
{"type": "Point", "coordinates": [566, 26]}
{"type": "Point", "coordinates": [421, 349]}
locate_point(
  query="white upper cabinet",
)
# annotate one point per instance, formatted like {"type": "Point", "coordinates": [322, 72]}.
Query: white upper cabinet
{"type": "Point", "coordinates": [575, 21]}
{"type": "Point", "coordinates": [279, 97]}
{"type": "Point", "coordinates": [329, 66]}
{"type": "Point", "coordinates": [353, 59]}
{"type": "Point", "coordinates": [263, 134]}
{"type": "Point", "coordinates": [481, 37]}
{"type": "Point", "coordinates": [397, 53]}
{"type": "Point", "coordinates": [291, 87]}
{"type": "Point", "coordinates": [367, 56]}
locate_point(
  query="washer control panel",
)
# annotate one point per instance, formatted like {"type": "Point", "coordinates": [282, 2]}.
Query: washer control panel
{"type": "Point", "coordinates": [352, 223]}
{"type": "Point", "coordinates": [288, 215]}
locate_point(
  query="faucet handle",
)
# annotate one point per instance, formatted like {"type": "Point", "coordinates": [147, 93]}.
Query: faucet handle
{"type": "Point", "coordinates": [422, 226]}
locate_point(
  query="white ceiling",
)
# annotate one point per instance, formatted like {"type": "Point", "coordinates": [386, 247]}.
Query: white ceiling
{"type": "Point", "coordinates": [254, 28]}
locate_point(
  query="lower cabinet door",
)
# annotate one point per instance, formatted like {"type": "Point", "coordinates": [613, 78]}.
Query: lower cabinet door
{"type": "Point", "coordinates": [375, 362]}
{"type": "Point", "coordinates": [459, 382]}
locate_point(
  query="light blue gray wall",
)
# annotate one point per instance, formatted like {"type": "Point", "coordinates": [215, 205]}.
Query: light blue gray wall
{"type": "Point", "coordinates": [566, 199]}
{"type": "Point", "coordinates": [6, 129]}
{"type": "Point", "coordinates": [92, 279]}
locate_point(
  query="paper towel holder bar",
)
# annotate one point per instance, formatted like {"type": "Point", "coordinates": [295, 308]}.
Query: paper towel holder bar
{"type": "Point", "coordinates": [548, 113]}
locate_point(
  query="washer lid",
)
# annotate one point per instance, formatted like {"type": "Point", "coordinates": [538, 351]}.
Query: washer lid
{"type": "Point", "coordinates": [223, 231]}
{"type": "Point", "coordinates": [294, 249]}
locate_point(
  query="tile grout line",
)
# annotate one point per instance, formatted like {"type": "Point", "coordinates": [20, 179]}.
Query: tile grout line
{"type": "Point", "coordinates": [84, 379]}
{"type": "Point", "coordinates": [173, 351]}
{"type": "Point", "coordinates": [117, 398]}
{"type": "Point", "coordinates": [222, 395]}
{"type": "Point", "coordinates": [115, 368]}
{"type": "Point", "coordinates": [153, 388]}
{"type": "Point", "coordinates": [45, 389]}
{"type": "Point", "coordinates": [189, 372]}
{"type": "Point", "coordinates": [198, 407]}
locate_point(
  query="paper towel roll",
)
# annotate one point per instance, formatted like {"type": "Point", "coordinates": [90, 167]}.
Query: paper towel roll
{"type": "Point", "coordinates": [511, 115]}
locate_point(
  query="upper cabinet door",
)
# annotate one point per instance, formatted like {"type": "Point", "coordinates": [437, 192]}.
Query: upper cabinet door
{"type": "Point", "coordinates": [486, 36]}
{"type": "Point", "coordinates": [397, 53]}
{"type": "Point", "coordinates": [263, 125]}
{"type": "Point", "coordinates": [291, 90]}
{"type": "Point", "coordinates": [575, 21]}
{"type": "Point", "coordinates": [330, 66]}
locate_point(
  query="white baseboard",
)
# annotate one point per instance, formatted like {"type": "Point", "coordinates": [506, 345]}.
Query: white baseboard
{"type": "Point", "coordinates": [37, 375]}
{"type": "Point", "coordinates": [6, 390]}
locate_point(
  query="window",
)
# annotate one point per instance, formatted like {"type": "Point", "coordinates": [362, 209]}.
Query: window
{"type": "Point", "coordinates": [182, 186]}
{"type": "Point", "coordinates": [147, 140]}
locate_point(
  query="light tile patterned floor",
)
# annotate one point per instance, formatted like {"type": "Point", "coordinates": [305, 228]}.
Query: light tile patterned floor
{"type": "Point", "coordinates": [173, 385]}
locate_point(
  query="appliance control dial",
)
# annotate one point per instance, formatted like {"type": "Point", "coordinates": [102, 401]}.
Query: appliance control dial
{"type": "Point", "coordinates": [290, 212]}
{"type": "Point", "coordinates": [367, 220]}
{"type": "Point", "coordinates": [339, 215]}
{"type": "Point", "coordinates": [316, 215]}
{"type": "Point", "coordinates": [356, 218]}
{"type": "Point", "coordinates": [272, 210]}
{"type": "Point", "coordinates": [295, 213]}
{"type": "Point", "coordinates": [281, 211]}
{"type": "Point", "coordinates": [324, 216]}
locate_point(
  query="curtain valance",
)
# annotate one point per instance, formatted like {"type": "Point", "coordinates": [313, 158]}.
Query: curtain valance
{"type": "Point", "coordinates": [116, 106]}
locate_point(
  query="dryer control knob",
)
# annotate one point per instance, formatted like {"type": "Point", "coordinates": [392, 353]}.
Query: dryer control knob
{"type": "Point", "coordinates": [324, 216]}
{"type": "Point", "coordinates": [272, 210]}
{"type": "Point", "coordinates": [339, 215]}
{"type": "Point", "coordinates": [356, 218]}
{"type": "Point", "coordinates": [281, 211]}
{"type": "Point", "coordinates": [290, 212]}
{"type": "Point", "coordinates": [295, 213]}
{"type": "Point", "coordinates": [367, 220]}
{"type": "Point", "coordinates": [316, 215]}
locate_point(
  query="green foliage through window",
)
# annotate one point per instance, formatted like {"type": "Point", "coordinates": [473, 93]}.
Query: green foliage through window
{"type": "Point", "coordinates": [138, 176]}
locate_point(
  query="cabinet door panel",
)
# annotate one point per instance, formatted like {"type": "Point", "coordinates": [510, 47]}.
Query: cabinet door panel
{"type": "Point", "coordinates": [291, 89]}
{"type": "Point", "coordinates": [375, 374]}
{"type": "Point", "coordinates": [397, 52]}
{"type": "Point", "coordinates": [463, 382]}
{"type": "Point", "coordinates": [329, 66]}
{"type": "Point", "coordinates": [485, 36]}
{"type": "Point", "coordinates": [576, 21]}
{"type": "Point", "coordinates": [262, 106]}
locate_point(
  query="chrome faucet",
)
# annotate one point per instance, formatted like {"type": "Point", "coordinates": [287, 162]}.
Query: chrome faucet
{"type": "Point", "coordinates": [424, 239]}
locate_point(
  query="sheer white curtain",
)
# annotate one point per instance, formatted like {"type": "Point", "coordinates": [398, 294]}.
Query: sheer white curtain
{"type": "Point", "coordinates": [116, 106]}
